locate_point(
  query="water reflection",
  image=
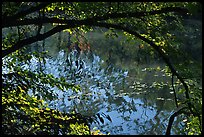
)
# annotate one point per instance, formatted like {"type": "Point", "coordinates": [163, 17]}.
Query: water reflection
{"type": "Point", "coordinates": [133, 105]}
{"type": "Point", "coordinates": [128, 103]}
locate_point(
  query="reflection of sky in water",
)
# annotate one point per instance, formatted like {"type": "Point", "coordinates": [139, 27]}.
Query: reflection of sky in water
{"type": "Point", "coordinates": [129, 115]}
{"type": "Point", "coordinates": [133, 123]}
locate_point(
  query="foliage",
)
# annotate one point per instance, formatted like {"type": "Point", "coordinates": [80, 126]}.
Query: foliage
{"type": "Point", "coordinates": [193, 125]}
{"type": "Point", "coordinates": [79, 129]}
{"type": "Point", "coordinates": [24, 114]}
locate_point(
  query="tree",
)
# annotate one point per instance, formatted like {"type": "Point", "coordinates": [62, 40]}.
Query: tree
{"type": "Point", "coordinates": [148, 22]}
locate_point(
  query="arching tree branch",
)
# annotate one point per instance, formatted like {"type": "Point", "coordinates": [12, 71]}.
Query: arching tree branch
{"type": "Point", "coordinates": [31, 40]}
{"type": "Point", "coordinates": [171, 120]}
{"type": "Point", "coordinates": [95, 18]}
{"type": "Point", "coordinates": [139, 14]}
{"type": "Point", "coordinates": [36, 21]}
{"type": "Point", "coordinates": [43, 36]}
{"type": "Point", "coordinates": [70, 23]}
{"type": "Point", "coordinates": [10, 19]}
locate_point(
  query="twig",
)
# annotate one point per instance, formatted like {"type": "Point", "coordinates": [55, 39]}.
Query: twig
{"type": "Point", "coordinates": [172, 82]}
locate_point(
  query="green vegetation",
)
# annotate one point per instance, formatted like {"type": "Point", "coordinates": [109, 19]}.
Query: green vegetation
{"type": "Point", "coordinates": [152, 31]}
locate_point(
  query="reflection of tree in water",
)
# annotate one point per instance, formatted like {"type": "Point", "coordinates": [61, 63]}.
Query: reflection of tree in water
{"type": "Point", "coordinates": [115, 101]}
{"type": "Point", "coordinates": [163, 106]}
{"type": "Point", "coordinates": [86, 72]}
{"type": "Point", "coordinates": [107, 91]}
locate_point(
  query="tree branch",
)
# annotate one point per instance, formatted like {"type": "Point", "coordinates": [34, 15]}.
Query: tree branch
{"type": "Point", "coordinates": [172, 83]}
{"type": "Point", "coordinates": [31, 40]}
{"type": "Point", "coordinates": [36, 21]}
{"type": "Point", "coordinates": [88, 21]}
{"type": "Point", "coordinates": [171, 120]}
{"type": "Point", "coordinates": [139, 14]}
{"type": "Point", "coordinates": [95, 18]}
{"type": "Point", "coordinates": [23, 13]}
{"type": "Point", "coordinates": [40, 37]}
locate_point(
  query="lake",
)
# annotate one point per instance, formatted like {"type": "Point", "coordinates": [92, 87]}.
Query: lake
{"type": "Point", "coordinates": [126, 97]}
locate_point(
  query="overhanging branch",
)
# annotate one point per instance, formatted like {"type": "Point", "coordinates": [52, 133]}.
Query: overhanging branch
{"type": "Point", "coordinates": [31, 40]}
{"type": "Point", "coordinates": [23, 13]}
{"type": "Point", "coordinates": [139, 14]}
{"type": "Point", "coordinates": [95, 18]}
{"type": "Point", "coordinates": [43, 36]}
{"type": "Point", "coordinates": [36, 21]}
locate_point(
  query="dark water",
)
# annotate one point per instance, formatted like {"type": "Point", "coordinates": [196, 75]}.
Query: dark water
{"type": "Point", "coordinates": [133, 101]}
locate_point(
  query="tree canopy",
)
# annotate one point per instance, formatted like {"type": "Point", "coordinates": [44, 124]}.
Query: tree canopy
{"type": "Point", "coordinates": [22, 25]}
